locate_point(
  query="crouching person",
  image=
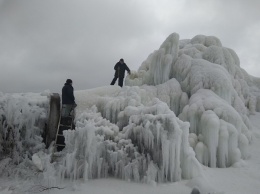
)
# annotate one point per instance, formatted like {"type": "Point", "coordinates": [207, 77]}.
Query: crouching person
{"type": "Point", "coordinates": [68, 99]}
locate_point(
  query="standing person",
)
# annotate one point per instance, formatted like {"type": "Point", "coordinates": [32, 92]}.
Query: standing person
{"type": "Point", "coordinates": [68, 99]}
{"type": "Point", "coordinates": [120, 69]}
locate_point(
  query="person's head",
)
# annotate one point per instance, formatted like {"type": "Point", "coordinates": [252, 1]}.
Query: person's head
{"type": "Point", "coordinates": [121, 60]}
{"type": "Point", "coordinates": [195, 191]}
{"type": "Point", "coordinates": [69, 81]}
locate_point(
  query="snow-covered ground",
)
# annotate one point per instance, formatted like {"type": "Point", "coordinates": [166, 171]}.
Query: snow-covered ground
{"type": "Point", "coordinates": [188, 118]}
{"type": "Point", "coordinates": [242, 179]}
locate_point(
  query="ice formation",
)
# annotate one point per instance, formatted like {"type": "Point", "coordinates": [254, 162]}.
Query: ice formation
{"type": "Point", "coordinates": [22, 123]}
{"type": "Point", "coordinates": [221, 95]}
{"type": "Point", "coordinates": [133, 135]}
{"type": "Point", "coordinates": [187, 105]}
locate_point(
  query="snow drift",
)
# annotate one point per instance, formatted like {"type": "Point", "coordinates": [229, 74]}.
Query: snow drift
{"type": "Point", "coordinates": [187, 104]}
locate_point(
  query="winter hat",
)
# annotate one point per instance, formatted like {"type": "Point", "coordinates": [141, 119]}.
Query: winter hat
{"type": "Point", "coordinates": [195, 191]}
{"type": "Point", "coordinates": [68, 81]}
{"type": "Point", "coordinates": [122, 60]}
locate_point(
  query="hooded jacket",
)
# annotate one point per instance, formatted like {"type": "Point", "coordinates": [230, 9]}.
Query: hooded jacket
{"type": "Point", "coordinates": [68, 94]}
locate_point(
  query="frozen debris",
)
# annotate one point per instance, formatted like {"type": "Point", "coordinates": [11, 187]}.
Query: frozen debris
{"type": "Point", "coordinates": [37, 161]}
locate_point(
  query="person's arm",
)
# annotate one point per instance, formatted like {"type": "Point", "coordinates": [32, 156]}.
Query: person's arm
{"type": "Point", "coordinates": [70, 94]}
{"type": "Point", "coordinates": [115, 68]}
{"type": "Point", "coordinates": [127, 69]}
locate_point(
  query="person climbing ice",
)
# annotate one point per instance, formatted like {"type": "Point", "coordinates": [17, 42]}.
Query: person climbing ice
{"type": "Point", "coordinates": [120, 69]}
{"type": "Point", "coordinates": [68, 99]}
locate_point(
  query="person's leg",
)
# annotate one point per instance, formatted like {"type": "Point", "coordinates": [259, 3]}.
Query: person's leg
{"type": "Point", "coordinates": [113, 81]}
{"type": "Point", "coordinates": [72, 110]}
{"type": "Point", "coordinates": [65, 111]}
{"type": "Point", "coordinates": [120, 81]}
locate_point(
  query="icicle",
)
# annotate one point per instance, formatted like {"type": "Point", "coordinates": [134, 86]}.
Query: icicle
{"type": "Point", "coordinates": [210, 130]}
{"type": "Point", "coordinates": [166, 158]}
{"type": "Point", "coordinates": [223, 145]}
{"type": "Point", "coordinates": [152, 173]}
{"type": "Point", "coordinates": [136, 175]}
{"type": "Point", "coordinates": [99, 164]}
{"type": "Point", "coordinates": [243, 145]}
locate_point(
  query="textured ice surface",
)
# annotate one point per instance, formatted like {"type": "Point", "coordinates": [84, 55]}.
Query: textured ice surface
{"type": "Point", "coordinates": [187, 104]}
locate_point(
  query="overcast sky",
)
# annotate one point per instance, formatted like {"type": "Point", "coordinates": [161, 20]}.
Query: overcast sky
{"type": "Point", "coordinates": [44, 42]}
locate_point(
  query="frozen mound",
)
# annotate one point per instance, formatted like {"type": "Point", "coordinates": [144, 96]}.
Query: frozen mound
{"type": "Point", "coordinates": [130, 134]}
{"type": "Point", "coordinates": [220, 94]}
{"type": "Point", "coordinates": [189, 102]}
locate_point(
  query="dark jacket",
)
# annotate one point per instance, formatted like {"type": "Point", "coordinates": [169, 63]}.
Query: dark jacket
{"type": "Point", "coordinates": [67, 94]}
{"type": "Point", "coordinates": [120, 70]}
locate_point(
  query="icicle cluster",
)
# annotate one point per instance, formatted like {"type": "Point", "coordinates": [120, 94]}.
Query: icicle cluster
{"type": "Point", "coordinates": [220, 94]}
{"type": "Point", "coordinates": [22, 119]}
{"type": "Point", "coordinates": [222, 134]}
{"type": "Point", "coordinates": [152, 147]}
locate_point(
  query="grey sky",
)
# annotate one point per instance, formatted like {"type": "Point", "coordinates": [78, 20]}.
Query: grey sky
{"type": "Point", "coordinates": [44, 42]}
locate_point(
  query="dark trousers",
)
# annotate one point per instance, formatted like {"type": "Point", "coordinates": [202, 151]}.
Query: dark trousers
{"type": "Point", "coordinates": [120, 81]}
{"type": "Point", "coordinates": [67, 109]}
